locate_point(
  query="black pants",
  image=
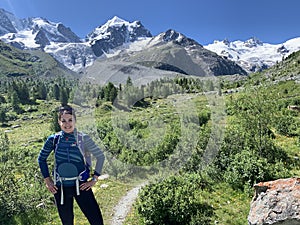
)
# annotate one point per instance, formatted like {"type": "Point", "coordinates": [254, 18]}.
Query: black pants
{"type": "Point", "coordinates": [86, 201]}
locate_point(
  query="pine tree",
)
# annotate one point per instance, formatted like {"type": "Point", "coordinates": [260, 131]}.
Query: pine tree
{"type": "Point", "coordinates": [54, 126]}
{"type": "Point", "coordinates": [42, 91]}
{"type": "Point", "coordinates": [63, 97]}
{"type": "Point", "coordinates": [56, 92]}
{"type": "Point", "coordinates": [110, 92]}
{"type": "Point", "coordinates": [129, 81]}
{"type": "Point", "coordinates": [2, 115]}
{"type": "Point", "coordinates": [23, 93]}
{"type": "Point", "coordinates": [15, 101]}
{"type": "Point", "coordinates": [113, 94]}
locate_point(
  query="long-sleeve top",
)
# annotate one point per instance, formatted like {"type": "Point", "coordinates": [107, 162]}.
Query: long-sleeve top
{"type": "Point", "coordinates": [68, 151]}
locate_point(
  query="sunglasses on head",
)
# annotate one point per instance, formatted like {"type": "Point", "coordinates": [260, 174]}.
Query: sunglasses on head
{"type": "Point", "coordinates": [67, 110]}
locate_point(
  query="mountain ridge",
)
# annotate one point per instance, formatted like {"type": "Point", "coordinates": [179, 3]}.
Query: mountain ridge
{"type": "Point", "coordinates": [254, 55]}
{"type": "Point", "coordinates": [120, 36]}
{"type": "Point", "coordinates": [34, 63]}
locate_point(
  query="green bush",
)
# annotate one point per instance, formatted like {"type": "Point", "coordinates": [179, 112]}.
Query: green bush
{"type": "Point", "coordinates": [243, 164]}
{"type": "Point", "coordinates": [247, 169]}
{"type": "Point", "coordinates": [20, 194]}
{"type": "Point", "coordinates": [285, 125]}
{"type": "Point", "coordinates": [175, 201]}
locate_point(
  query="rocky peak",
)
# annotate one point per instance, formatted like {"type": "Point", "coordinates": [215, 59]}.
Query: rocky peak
{"type": "Point", "coordinates": [282, 49]}
{"type": "Point", "coordinates": [115, 20]}
{"type": "Point", "coordinates": [114, 33]}
{"type": "Point", "coordinates": [133, 30]}
{"type": "Point", "coordinates": [68, 34]}
{"type": "Point", "coordinates": [276, 202]}
{"type": "Point", "coordinates": [34, 32]}
{"type": "Point", "coordinates": [8, 22]}
{"type": "Point", "coordinates": [172, 35]}
{"type": "Point", "coordinates": [253, 42]}
{"type": "Point", "coordinates": [226, 42]}
{"type": "Point", "coordinates": [51, 32]}
{"type": "Point", "coordinates": [178, 38]}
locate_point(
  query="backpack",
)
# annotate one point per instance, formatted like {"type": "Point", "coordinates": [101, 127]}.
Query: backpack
{"type": "Point", "coordinates": [86, 155]}
{"type": "Point", "coordinates": [72, 172]}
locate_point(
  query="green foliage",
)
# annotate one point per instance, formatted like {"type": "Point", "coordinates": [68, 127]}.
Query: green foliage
{"type": "Point", "coordinates": [203, 117]}
{"type": "Point", "coordinates": [25, 92]}
{"type": "Point", "coordinates": [286, 124]}
{"type": "Point", "coordinates": [2, 99]}
{"type": "Point", "coordinates": [64, 97]}
{"type": "Point", "coordinates": [56, 91]}
{"type": "Point", "coordinates": [148, 131]}
{"type": "Point", "coordinates": [54, 126]}
{"type": "Point", "coordinates": [3, 117]}
{"type": "Point", "coordinates": [254, 113]}
{"type": "Point", "coordinates": [131, 153]}
{"type": "Point", "coordinates": [110, 92]}
{"type": "Point", "coordinates": [16, 63]}
{"type": "Point", "coordinates": [129, 81]}
{"type": "Point", "coordinates": [247, 169]}
{"type": "Point", "coordinates": [19, 195]}
{"type": "Point", "coordinates": [175, 200]}
{"type": "Point", "coordinates": [298, 141]}
{"type": "Point", "coordinates": [249, 153]}
{"type": "Point", "coordinates": [194, 164]}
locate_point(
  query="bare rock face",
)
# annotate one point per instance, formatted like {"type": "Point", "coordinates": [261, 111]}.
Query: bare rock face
{"type": "Point", "coordinates": [276, 202]}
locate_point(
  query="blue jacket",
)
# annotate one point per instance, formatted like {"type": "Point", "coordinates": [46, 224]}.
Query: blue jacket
{"type": "Point", "coordinates": [67, 151]}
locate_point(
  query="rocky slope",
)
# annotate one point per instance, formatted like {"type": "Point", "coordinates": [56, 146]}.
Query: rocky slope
{"type": "Point", "coordinates": [115, 36]}
{"type": "Point", "coordinates": [118, 36]}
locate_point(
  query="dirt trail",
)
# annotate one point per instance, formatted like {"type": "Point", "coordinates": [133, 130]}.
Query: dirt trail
{"type": "Point", "coordinates": [122, 209]}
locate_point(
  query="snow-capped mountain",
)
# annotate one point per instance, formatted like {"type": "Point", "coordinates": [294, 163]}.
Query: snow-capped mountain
{"type": "Point", "coordinates": [63, 44]}
{"type": "Point", "coordinates": [118, 36]}
{"type": "Point", "coordinates": [34, 32]}
{"type": "Point", "coordinates": [254, 55]}
{"type": "Point", "coordinates": [53, 38]}
{"type": "Point", "coordinates": [115, 33]}
{"type": "Point", "coordinates": [165, 55]}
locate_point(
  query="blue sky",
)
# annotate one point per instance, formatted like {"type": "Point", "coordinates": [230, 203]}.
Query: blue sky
{"type": "Point", "coordinates": [202, 20]}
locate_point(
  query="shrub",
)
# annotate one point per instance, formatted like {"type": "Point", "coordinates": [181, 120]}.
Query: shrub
{"type": "Point", "coordinates": [175, 201]}
{"type": "Point", "coordinates": [247, 168]}
{"type": "Point", "coordinates": [285, 125]}
{"type": "Point", "coordinates": [19, 192]}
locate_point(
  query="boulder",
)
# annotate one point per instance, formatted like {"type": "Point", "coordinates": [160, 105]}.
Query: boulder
{"type": "Point", "coordinates": [276, 202]}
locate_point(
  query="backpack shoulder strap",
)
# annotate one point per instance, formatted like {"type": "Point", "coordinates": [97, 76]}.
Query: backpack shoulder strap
{"type": "Point", "coordinates": [56, 140]}
{"type": "Point", "coordinates": [55, 145]}
{"type": "Point", "coordinates": [86, 154]}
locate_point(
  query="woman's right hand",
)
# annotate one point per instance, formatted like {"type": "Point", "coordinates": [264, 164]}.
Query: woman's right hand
{"type": "Point", "coordinates": [50, 185]}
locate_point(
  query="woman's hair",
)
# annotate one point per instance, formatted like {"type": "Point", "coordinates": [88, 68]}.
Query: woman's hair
{"type": "Point", "coordinates": [66, 110]}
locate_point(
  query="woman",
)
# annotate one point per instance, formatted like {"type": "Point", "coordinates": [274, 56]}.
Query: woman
{"type": "Point", "coordinates": [71, 170]}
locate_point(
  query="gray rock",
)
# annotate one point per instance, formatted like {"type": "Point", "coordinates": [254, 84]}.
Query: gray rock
{"type": "Point", "coordinates": [276, 202]}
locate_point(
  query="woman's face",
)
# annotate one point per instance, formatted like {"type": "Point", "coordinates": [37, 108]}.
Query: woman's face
{"type": "Point", "coordinates": [67, 123]}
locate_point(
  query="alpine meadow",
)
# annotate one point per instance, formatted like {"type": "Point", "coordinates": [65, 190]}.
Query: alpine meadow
{"type": "Point", "coordinates": [163, 143]}
{"type": "Point", "coordinates": [193, 129]}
